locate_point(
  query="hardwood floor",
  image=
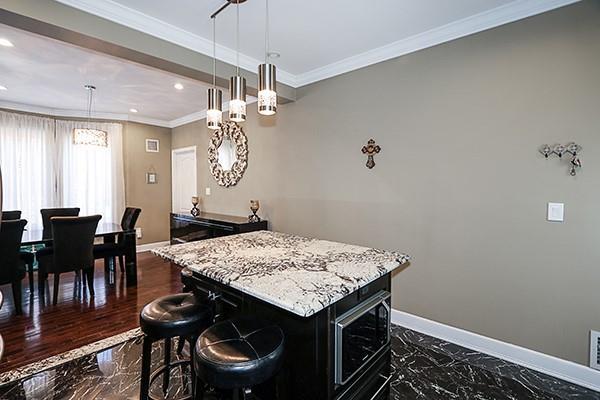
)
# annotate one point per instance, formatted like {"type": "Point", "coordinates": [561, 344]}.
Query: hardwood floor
{"type": "Point", "coordinates": [45, 330]}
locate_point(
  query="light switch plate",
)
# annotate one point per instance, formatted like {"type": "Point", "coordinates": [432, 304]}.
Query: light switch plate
{"type": "Point", "coordinates": [207, 191]}
{"type": "Point", "coordinates": [138, 233]}
{"type": "Point", "coordinates": [556, 212]}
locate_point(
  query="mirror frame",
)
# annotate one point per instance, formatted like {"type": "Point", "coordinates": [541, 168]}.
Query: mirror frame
{"type": "Point", "coordinates": [240, 141]}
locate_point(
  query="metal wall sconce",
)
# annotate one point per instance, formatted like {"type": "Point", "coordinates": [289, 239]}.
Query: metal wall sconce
{"type": "Point", "coordinates": [559, 150]}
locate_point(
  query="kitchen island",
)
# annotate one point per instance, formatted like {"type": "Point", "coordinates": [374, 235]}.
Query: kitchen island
{"type": "Point", "coordinates": [332, 301]}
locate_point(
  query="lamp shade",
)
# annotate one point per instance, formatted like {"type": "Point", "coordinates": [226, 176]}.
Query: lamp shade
{"type": "Point", "coordinates": [267, 89]}
{"type": "Point", "coordinates": [237, 95]}
{"type": "Point", "coordinates": [214, 112]}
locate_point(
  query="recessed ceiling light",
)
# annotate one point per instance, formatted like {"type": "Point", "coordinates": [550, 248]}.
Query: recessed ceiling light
{"type": "Point", "coordinates": [178, 86]}
{"type": "Point", "coordinates": [3, 87]}
{"type": "Point", "coordinates": [5, 42]}
{"type": "Point", "coordinates": [133, 110]}
{"type": "Point", "coordinates": [273, 54]}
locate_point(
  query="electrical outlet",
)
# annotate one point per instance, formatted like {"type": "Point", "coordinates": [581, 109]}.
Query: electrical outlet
{"type": "Point", "coordinates": [595, 349]}
{"type": "Point", "coordinates": [138, 233]}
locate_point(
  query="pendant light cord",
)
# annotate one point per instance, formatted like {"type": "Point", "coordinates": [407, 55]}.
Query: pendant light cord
{"type": "Point", "coordinates": [90, 94]}
{"type": "Point", "coordinates": [214, 52]}
{"type": "Point", "coordinates": [237, 38]}
{"type": "Point", "coordinates": [266, 31]}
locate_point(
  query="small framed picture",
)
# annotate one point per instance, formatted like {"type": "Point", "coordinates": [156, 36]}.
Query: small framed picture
{"type": "Point", "coordinates": [151, 178]}
{"type": "Point", "coordinates": [152, 145]}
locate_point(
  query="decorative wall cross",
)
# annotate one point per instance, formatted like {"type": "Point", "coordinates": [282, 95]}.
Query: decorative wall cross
{"type": "Point", "coordinates": [370, 150]}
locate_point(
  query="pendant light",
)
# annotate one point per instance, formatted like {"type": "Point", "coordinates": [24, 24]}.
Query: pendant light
{"type": "Point", "coordinates": [237, 83]}
{"type": "Point", "coordinates": [88, 135]}
{"type": "Point", "coordinates": [214, 112]}
{"type": "Point", "coordinates": [267, 90]}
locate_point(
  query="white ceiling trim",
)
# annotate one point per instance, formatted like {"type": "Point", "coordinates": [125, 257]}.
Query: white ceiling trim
{"type": "Point", "coordinates": [64, 113]}
{"type": "Point", "coordinates": [186, 119]}
{"type": "Point", "coordinates": [510, 12]}
{"type": "Point", "coordinates": [129, 17]}
{"type": "Point", "coordinates": [57, 112]}
{"type": "Point", "coordinates": [505, 14]}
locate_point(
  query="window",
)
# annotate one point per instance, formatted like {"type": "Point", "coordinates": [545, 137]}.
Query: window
{"type": "Point", "coordinates": [43, 167]}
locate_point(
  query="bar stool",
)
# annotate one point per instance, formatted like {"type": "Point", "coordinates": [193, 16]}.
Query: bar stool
{"type": "Point", "coordinates": [165, 318]}
{"type": "Point", "coordinates": [236, 355]}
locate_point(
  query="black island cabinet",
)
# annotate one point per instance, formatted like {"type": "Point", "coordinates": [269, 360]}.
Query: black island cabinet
{"type": "Point", "coordinates": [310, 370]}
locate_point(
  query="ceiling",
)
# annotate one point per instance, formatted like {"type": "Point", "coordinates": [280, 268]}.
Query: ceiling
{"type": "Point", "coordinates": [47, 76]}
{"type": "Point", "coordinates": [316, 38]}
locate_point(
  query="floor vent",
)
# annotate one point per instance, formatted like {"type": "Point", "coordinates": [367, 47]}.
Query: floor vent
{"type": "Point", "coordinates": [595, 349]}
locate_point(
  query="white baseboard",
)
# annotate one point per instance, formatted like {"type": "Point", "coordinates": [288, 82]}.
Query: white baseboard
{"type": "Point", "coordinates": [559, 368]}
{"type": "Point", "coordinates": [150, 246]}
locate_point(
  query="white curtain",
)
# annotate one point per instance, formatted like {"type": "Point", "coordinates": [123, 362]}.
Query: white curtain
{"type": "Point", "coordinates": [27, 159]}
{"type": "Point", "coordinates": [41, 168]}
{"type": "Point", "coordinates": [91, 177]}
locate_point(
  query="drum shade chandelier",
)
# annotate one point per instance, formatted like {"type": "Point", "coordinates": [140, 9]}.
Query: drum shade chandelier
{"type": "Point", "coordinates": [88, 135]}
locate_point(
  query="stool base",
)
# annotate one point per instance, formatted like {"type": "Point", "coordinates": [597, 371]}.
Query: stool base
{"type": "Point", "coordinates": [148, 376]}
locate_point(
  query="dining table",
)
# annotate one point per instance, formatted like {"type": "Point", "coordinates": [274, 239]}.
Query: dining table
{"type": "Point", "coordinates": [108, 232]}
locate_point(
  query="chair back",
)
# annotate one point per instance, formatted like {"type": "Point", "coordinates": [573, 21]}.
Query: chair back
{"type": "Point", "coordinates": [73, 242]}
{"type": "Point", "coordinates": [48, 213]}
{"type": "Point", "coordinates": [130, 217]}
{"type": "Point", "coordinates": [11, 233]}
{"type": "Point", "coordinates": [11, 215]}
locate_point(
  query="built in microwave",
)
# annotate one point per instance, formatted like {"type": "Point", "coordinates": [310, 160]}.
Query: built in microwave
{"type": "Point", "coordinates": [361, 334]}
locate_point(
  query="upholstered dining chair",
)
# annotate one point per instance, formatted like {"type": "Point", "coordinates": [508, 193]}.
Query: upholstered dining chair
{"type": "Point", "coordinates": [11, 215]}
{"type": "Point", "coordinates": [112, 250]}
{"type": "Point", "coordinates": [11, 266]}
{"type": "Point", "coordinates": [26, 256]}
{"type": "Point", "coordinates": [48, 213]}
{"type": "Point", "coordinates": [72, 251]}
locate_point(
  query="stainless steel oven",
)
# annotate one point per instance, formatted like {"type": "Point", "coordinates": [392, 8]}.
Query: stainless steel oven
{"type": "Point", "coordinates": [361, 334]}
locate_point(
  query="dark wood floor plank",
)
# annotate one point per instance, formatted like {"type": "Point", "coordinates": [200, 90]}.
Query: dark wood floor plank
{"type": "Point", "coordinates": [45, 330]}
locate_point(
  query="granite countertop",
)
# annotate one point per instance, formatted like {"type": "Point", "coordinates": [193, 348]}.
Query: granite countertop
{"type": "Point", "coordinates": [295, 273]}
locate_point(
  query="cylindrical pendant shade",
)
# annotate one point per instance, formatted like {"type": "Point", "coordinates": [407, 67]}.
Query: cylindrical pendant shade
{"type": "Point", "coordinates": [237, 95]}
{"type": "Point", "coordinates": [267, 89]}
{"type": "Point", "coordinates": [214, 112]}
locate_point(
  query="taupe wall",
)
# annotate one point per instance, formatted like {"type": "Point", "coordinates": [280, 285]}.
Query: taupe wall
{"type": "Point", "coordinates": [459, 183]}
{"type": "Point", "coordinates": [155, 199]}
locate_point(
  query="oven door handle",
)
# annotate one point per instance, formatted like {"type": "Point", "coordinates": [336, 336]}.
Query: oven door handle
{"type": "Point", "coordinates": [382, 387]}
{"type": "Point", "coordinates": [388, 310]}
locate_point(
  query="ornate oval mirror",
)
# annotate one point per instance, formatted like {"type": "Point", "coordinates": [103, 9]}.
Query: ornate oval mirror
{"type": "Point", "coordinates": [228, 154]}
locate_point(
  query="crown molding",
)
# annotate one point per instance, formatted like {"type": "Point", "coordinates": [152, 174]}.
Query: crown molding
{"type": "Point", "coordinates": [197, 116]}
{"type": "Point", "coordinates": [64, 113]}
{"type": "Point", "coordinates": [505, 14]}
{"type": "Point", "coordinates": [186, 119]}
{"type": "Point", "coordinates": [513, 11]}
{"type": "Point", "coordinates": [134, 19]}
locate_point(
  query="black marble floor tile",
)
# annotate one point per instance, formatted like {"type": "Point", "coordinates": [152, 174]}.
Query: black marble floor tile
{"type": "Point", "coordinates": [110, 374]}
{"type": "Point", "coordinates": [429, 368]}
{"type": "Point", "coordinates": [424, 368]}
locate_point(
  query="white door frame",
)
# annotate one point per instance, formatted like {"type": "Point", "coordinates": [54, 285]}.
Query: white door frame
{"type": "Point", "coordinates": [174, 152]}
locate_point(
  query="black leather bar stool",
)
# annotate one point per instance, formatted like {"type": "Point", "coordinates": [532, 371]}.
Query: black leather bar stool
{"type": "Point", "coordinates": [165, 318]}
{"type": "Point", "coordinates": [237, 354]}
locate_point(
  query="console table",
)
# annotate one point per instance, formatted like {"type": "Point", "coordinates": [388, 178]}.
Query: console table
{"type": "Point", "coordinates": [188, 228]}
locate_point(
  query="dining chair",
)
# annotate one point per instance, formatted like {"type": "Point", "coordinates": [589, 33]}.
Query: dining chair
{"type": "Point", "coordinates": [118, 249]}
{"type": "Point", "coordinates": [72, 251]}
{"type": "Point", "coordinates": [26, 256]}
{"type": "Point", "coordinates": [11, 266]}
{"type": "Point", "coordinates": [11, 215]}
{"type": "Point", "coordinates": [48, 213]}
